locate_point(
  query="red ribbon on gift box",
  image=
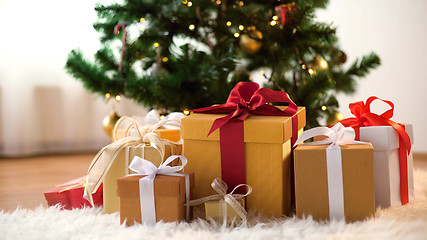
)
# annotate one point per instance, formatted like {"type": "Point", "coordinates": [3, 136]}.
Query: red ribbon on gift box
{"type": "Point", "coordinates": [365, 118]}
{"type": "Point", "coordinates": [246, 98]}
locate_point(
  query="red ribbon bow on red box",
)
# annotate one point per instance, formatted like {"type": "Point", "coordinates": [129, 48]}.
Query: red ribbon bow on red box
{"type": "Point", "coordinates": [246, 98]}
{"type": "Point", "coordinates": [365, 118]}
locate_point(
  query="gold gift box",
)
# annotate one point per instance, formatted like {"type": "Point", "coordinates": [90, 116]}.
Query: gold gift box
{"type": "Point", "coordinates": [169, 197]}
{"type": "Point", "coordinates": [267, 158]}
{"type": "Point", "coordinates": [120, 168]}
{"type": "Point", "coordinates": [311, 181]}
{"type": "Point", "coordinates": [213, 209]}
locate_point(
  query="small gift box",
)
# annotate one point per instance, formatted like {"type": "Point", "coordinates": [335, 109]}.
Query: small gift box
{"type": "Point", "coordinates": [113, 160]}
{"type": "Point", "coordinates": [70, 195]}
{"type": "Point", "coordinates": [224, 207]}
{"type": "Point", "coordinates": [334, 178]}
{"type": "Point", "coordinates": [155, 194]}
{"type": "Point", "coordinates": [393, 161]}
{"type": "Point", "coordinates": [252, 145]}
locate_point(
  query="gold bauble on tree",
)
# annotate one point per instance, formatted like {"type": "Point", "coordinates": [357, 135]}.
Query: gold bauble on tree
{"type": "Point", "coordinates": [109, 122]}
{"type": "Point", "coordinates": [334, 118]}
{"type": "Point", "coordinates": [251, 42]}
{"type": "Point", "coordinates": [319, 63]}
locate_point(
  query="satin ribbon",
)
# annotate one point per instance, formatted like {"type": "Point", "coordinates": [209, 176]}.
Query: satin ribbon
{"type": "Point", "coordinates": [129, 136]}
{"type": "Point", "coordinates": [246, 98]}
{"type": "Point", "coordinates": [76, 183]}
{"type": "Point", "coordinates": [146, 184]}
{"type": "Point", "coordinates": [365, 118]}
{"type": "Point", "coordinates": [170, 121]}
{"type": "Point", "coordinates": [231, 198]}
{"type": "Point", "coordinates": [336, 136]}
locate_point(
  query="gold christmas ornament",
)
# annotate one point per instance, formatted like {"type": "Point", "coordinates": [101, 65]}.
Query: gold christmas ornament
{"type": "Point", "coordinates": [334, 118]}
{"type": "Point", "coordinates": [109, 122]}
{"type": "Point", "coordinates": [319, 63]}
{"type": "Point", "coordinates": [251, 42]}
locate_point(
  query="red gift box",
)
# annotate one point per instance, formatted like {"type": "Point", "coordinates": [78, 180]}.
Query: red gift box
{"type": "Point", "coordinates": [70, 195]}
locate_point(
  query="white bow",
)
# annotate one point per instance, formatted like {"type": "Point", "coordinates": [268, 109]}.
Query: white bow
{"type": "Point", "coordinates": [146, 184]}
{"type": "Point", "coordinates": [144, 167]}
{"type": "Point", "coordinates": [336, 136]}
{"type": "Point", "coordinates": [171, 121]}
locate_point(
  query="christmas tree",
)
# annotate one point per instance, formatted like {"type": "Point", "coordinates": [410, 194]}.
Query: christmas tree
{"type": "Point", "coordinates": [186, 54]}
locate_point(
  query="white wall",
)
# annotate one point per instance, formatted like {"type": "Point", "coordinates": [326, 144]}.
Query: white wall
{"type": "Point", "coordinates": [36, 36]}
{"type": "Point", "coordinates": [397, 32]}
{"type": "Point", "coordinates": [42, 108]}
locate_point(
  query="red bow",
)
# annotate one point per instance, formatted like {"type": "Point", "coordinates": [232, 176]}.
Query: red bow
{"type": "Point", "coordinates": [248, 98]}
{"type": "Point", "coordinates": [245, 98]}
{"type": "Point", "coordinates": [365, 118]}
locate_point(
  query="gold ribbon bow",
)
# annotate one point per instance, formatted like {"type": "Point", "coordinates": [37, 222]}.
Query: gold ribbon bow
{"type": "Point", "coordinates": [126, 133]}
{"type": "Point", "coordinates": [231, 198]}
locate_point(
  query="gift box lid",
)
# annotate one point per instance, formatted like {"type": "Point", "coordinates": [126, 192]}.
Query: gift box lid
{"type": "Point", "coordinates": [164, 185]}
{"type": "Point", "coordinates": [257, 128]}
{"type": "Point", "coordinates": [384, 137]}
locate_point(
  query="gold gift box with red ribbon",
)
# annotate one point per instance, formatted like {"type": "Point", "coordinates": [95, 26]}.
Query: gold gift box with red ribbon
{"type": "Point", "coordinates": [266, 145]}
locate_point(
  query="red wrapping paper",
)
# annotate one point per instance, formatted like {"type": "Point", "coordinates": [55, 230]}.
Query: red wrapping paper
{"type": "Point", "coordinates": [70, 195]}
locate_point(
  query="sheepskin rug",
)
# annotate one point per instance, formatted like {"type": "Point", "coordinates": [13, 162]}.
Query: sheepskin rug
{"type": "Point", "coordinates": [406, 222]}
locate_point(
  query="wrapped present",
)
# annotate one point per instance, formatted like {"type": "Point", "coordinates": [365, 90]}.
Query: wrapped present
{"type": "Point", "coordinates": [334, 178]}
{"type": "Point", "coordinates": [113, 160]}
{"type": "Point", "coordinates": [252, 146]}
{"type": "Point", "coordinates": [155, 194]}
{"type": "Point", "coordinates": [224, 207]}
{"type": "Point", "coordinates": [70, 195]}
{"type": "Point", "coordinates": [394, 181]}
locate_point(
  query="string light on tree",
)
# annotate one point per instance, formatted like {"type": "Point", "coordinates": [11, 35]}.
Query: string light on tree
{"type": "Point", "coordinates": [241, 27]}
{"type": "Point", "coordinates": [142, 19]}
{"type": "Point", "coordinates": [228, 23]}
{"type": "Point", "coordinates": [186, 112]}
{"type": "Point", "coordinates": [273, 23]}
{"type": "Point", "coordinates": [324, 108]}
{"type": "Point", "coordinates": [184, 2]}
{"type": "Point", "coordinates": [108, 122]}
{"type": "Point", "coordinates": [156, 44]}
{"type": "Point", "coordinates": [241, 3]}
{"type": "Point", "coordinates": [189, 4]}
{"type": "Point", "coordinates": [310, 71]}
{"type": "Point", "coordinates": [191, 27]}
{"type": "Point", "coordinates": [165, 59]}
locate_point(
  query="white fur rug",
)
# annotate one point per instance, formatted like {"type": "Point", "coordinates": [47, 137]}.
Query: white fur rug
{"type": "Point", "coordinates": [407, 222]}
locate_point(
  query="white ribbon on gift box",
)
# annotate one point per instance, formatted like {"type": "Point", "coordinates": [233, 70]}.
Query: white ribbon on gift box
{"type": "Point", "coordinates": [170, 121]}
{"type": "Point", "coordinates": [146, 184]}
{"type": "Point", "coordinates": [336, 136]}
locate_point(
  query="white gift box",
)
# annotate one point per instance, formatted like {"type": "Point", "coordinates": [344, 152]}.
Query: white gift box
{"type": "Point", "coordinates": [385, 141]}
